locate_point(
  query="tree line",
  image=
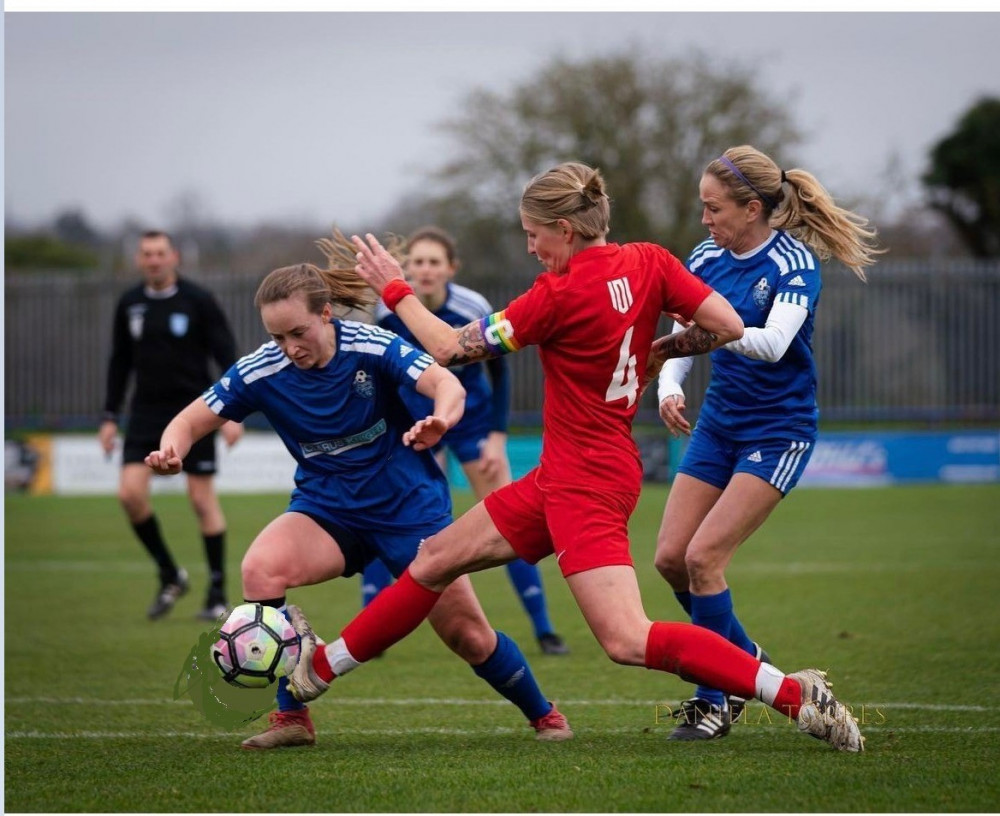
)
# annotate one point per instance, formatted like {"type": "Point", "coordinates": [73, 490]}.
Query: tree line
{"type": "Point", "coordinates": [650, 124]}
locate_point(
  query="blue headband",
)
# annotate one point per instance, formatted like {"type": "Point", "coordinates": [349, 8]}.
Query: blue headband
{"type": "Point", "coordinates": [765, 198]}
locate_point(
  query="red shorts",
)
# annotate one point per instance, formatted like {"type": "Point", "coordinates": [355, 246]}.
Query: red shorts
{"type": "Point", "coordinates": [584, 527]}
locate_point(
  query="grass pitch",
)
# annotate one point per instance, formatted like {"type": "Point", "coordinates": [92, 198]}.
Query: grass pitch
{"type": "Point", "coordinates": [893, 590]}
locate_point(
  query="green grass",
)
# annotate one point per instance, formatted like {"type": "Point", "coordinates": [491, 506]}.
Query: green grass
{"type": "Point", "coordinates": [894, 590]}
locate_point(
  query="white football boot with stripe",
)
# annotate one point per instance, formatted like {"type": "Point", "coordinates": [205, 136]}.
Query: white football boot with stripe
{"type": "Point", "coordinates": [823, 716]}
{"type": "Point", "coordinates": [304, 684]}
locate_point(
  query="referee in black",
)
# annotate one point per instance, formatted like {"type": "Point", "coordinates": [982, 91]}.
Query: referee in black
{"type": "Point", "coordinates": [165, 330]}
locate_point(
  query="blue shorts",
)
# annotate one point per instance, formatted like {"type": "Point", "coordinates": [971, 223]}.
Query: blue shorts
{"type": "Point", "coordinates": [714, 459]}
{"type": "Point", "coordinates": [361, 545]}
{"type": "Point", "coordinates": [466, 439]}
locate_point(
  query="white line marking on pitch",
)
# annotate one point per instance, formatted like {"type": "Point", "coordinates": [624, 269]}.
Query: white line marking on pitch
{"type": "Point", "coordinates": [459, 732]}
{"type": "Point", "coordinates": [455, 701]}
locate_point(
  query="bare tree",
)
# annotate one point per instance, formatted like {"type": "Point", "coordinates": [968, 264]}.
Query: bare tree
{"type": "Point", "coordinates": [650, 124]}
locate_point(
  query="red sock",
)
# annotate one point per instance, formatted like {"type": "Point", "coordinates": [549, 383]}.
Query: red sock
{"type": "Point", "coordinates": [789, 698]}
{"type": "Point", "coordinates": [701, 656]}
{"type": "Point", "coordinates": [396, 611]}
{"type": "Point", "coordinates": [321, 664]}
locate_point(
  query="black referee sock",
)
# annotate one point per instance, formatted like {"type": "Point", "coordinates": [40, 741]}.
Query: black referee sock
{"type": "Point", "coordinates": [215, 555]}
{"type": "Point", "coordinates": [148, 532]}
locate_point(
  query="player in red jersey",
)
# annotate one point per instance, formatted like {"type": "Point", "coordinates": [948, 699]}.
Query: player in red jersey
{"type": "Point", "coordinates": [593, 315]}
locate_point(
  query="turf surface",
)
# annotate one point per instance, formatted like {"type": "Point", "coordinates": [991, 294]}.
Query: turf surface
{"type": "Point", "coordinates": [893, 590]}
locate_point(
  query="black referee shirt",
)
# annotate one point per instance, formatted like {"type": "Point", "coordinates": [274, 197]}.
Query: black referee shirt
{"type": "Point", "coordinates": [168, 341]}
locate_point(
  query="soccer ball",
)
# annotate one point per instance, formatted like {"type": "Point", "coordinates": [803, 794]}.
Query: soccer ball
{"type": "Point", "coordinates": [256, 646]}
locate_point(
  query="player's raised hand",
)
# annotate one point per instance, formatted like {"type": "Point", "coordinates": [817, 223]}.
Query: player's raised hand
{"type": "Point", "coordinates": [375, 266]}
{"type": "Point", "coordinates": [425, 433]}
{"type": "Point", "coordinates": [164, 462]}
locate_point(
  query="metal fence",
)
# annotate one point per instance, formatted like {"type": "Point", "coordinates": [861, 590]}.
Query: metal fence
{"type": "Point", "coordinates": [919, 342]}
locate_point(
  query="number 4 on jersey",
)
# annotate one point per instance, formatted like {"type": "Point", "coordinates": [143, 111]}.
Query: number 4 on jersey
{"type": "Point", "coordinates": [624, 382]}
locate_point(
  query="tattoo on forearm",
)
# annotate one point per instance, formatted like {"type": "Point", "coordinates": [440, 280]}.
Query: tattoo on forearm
{"type": "Point", "coordinates": [473, 345]}
{"type": "Point", "coordinates": [693, 340]}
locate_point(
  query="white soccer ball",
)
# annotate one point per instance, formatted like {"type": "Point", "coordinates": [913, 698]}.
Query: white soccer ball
{"type": "Point", "coordinates": [256, 646]}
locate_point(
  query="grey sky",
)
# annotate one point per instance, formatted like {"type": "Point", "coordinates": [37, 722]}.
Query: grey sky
{"type": "Point", "coordinates": [328, 117]}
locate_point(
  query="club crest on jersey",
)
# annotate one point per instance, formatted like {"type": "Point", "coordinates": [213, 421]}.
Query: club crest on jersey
{"type": "Point", "coordinates": [363, 385]}
{"type": "Point", "coordinates": [621, 295]}
{"type": "Point", "coordinates": [136, 317]}
{"type": "Point", "coordinates": [178, 324]}
{"type": "Point", "coordinates": [761, 293]}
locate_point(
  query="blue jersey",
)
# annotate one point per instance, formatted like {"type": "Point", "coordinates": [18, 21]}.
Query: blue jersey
{"type": "Point", "coordinates": [343, 425]}
{"type": "Point", "coordinates": [487, 397]}
{"type": "Point", "coordinates": [750, 399]}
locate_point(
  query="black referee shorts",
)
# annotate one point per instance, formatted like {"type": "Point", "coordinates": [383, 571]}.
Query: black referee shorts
{"type": "Point", "coordinates": [143, 435]}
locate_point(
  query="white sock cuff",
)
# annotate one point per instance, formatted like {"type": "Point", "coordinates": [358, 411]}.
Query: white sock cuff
{"type": "Point", "coordinates": [341, 660]}
{"type": "Point", "coordinates": [768, 683]}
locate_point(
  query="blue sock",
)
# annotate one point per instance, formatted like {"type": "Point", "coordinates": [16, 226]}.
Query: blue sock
{"type": "Point", "coordinates": [509, 673]}
{"type": "Point", "coordinates": [739, 637]}
{"type": "Point", "coordinates": [714, 612]}
{"type": "Point", "coordinates": [684, 599]}
{"type": "Point", "coordinates": [286, 702]}
{"type": "Point", "coordinates": [374, 579]}
{"type": "Point", "coordinates": [527, 580]}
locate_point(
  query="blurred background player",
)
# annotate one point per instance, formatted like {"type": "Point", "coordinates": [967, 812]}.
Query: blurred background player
{"type": "Point", "coordinates": [479, 440]}
{"type": "Point", "coordinates": [758, 425]}
{"type": "Point", "coordinates": [166, 330]}
{"type": "Point", "coordinates": [367, 485]}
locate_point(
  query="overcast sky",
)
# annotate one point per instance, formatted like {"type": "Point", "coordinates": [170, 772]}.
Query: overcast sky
{"type": "Point", "coordinates": [329, 117]}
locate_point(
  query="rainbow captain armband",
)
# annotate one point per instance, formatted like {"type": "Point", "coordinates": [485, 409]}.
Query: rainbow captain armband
{"type": "Point", "coordinates": [498, 334]}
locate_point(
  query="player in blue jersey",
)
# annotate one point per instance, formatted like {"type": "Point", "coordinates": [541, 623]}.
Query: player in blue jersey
{"type": "Point", "coordinates": [757, 427]}
{"type": "Point", "coordinates": [366, 486]}
{"type": "Point", "coordinates": [593, 314]}
{"type": "Point", "coordinates": [479, 440]}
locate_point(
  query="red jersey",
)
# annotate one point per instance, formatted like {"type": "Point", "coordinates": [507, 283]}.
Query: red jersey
{"type": "Point", "coordinates": [593, 325]}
